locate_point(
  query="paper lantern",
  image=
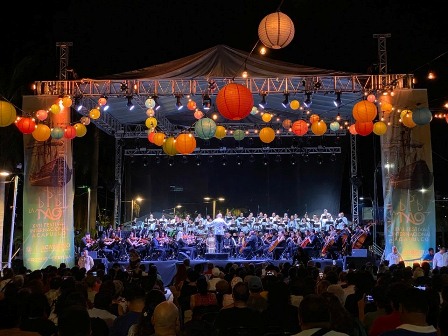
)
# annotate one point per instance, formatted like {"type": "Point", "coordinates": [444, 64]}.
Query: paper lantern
{"type": "Point", "coordinates": [352, 130]}
{"type": "Point", "coordinates": [158, 139]}
{"type": "Point", "coordinates": [57, 133]}
{"type": "Point", "coordinates": [150, 112]}
{"type": "Point", "coordinates": [266, 117]}
{"type": "Point", "coordinates": [80, 129]}
{"type": "Point", "coordinates": [314, 118]}
{"type": "Point", "coordinates": [446, 118]}
{"type": "Point", "coordinates": [151, 122]}
{"type": "Point", "coordinates": [220, 132]}
{"type": "Point", "coordinates": [42, 132]}
{"type": "Point", "coordinates": [169, 146]}
{"type": "Point", "coordinates": [55, 109]}
{"type": "Point", "coordinates": [422, 116]}
{"type": "Point", "coordinates": [205, 128]}
{"type": "Point", "coordinates": [379, 128]}
{"type": "Point", "coordinates": [406, 119]}
{"type": "Point", "coordinates": [386, 107]}
{"type": "Point", "coordinates": [276, 30]}
{"type": "Point", "coordinates": [94, 113]}
{"type": "Point", "coordinates": [364, 128]}
{"type": "Point", "coordinates": [287, 124]}
{"type": "Point", "coordinates": [191, 105]}
{"type": "Point", "coordinates": [8, 113]}
{"type": "Point", "coordinates": [254, 110]}
{"type": "Point", "coordinates": [238, 135]}
{"type": "Point", "coordinates": [185, 143]}
{"type": "Point", "coordinates": [371, 98]}
{"type": "Point", "coordinates": [150, 103]}
{"type": "Point", "coordinates": [299, 127]}
{"type": "Point", "coordinates": [70, 132]}
{"type": "Point", "coordinates": [102, 101]}
{"type": "Point", "coordinates": [41, 115]}
{"type": "Point", "coordinates": [364, 111]}
{"type": "Point", "coordinates": [234, 101]}
{"type": "Point", "coordinates": [294, 104]}
{"type": "Point", "coordinates": [267, 134]}
{"type": "Point", "coordinates": [198, 114]}
{"type": "Point", "coordinates": [26, 125]}
{"type": "Point", "coordinates": [85, 120]}
{"type": "Point", "coordinates": [319, 127]}
{"type": "Point", "coordinates": [151, 136]}
{"type": "Point", "coordinates": [67, 101]}
{"type": "Point", "coordinates": [334, 126]}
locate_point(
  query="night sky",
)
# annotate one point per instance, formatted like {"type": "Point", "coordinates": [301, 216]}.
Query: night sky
{"type": "Point", "coordinates": [115, 36]}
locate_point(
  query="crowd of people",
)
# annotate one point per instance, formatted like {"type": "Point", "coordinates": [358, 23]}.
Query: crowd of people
{"type": "Point", "coordinates": [301, 298]}
{"type": "Point", "coordinates": [246, 237]}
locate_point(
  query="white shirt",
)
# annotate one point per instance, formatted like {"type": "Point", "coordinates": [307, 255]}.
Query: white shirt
{"type": "Point", "coordinates": [393, 258]}
{"type": "Point", "coordinates": [440, 260]}
{"type": "Point", "coordinates": [86, 262]}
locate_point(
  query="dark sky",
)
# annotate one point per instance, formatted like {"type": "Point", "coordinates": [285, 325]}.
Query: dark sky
{"type": "Point", "coordinates": [116, 36]}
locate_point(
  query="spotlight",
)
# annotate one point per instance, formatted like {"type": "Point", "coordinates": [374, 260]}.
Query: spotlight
{"type": "Point", "coordinates": [306, 157]}
{"type": "Point", "coordinates": [130, 104]}
{"type": "Point", "coordinates": [145, 162]}
{"type": "Point", "coordinates": [157, 105]}
{"type": "Point", "coordinates": [308, 100]}
{"type": "Point", "coordinates": [123, 86]}
{"type": "Point", "coordinates": [251, 158]}
{"type": "Point", "coordinates": [293, 160]}
{"type": "Point", "coordinates": [239, 162]}
{"type": "Point", "coordinates": [317, 85]}
{"type": "Point", "coordinates": [179, 103]}
{"type": "Point", "coordinates": [157, 159]}
{"type": "Point", "coordinates": [132, 160]}
{"type": "Point", "coordinates": [206, 102]}
{"type": "Point", "coordinates": [210, 158]}
{"type": "Point", "coordinates": [286, 100]}
{"type": "Point", "coordinates": [224, 160]}
{"type": "Point", "coordinates": [320, 160]}
{"type": "Point", "coordinates": [170, 162]}
{"type": "Point", "coordinates": [278, 158]}
{"type": "Point", "coordinates": [338, 102]}
{"type": "Point", "coordinates": [78, 103]}
{"type": "Point", "coordinates": [198, 160]}
{"type": "Point", "coordinates": [184, 159]}
{"type": "Point", "coordinates": [333, 157]}
{"type": "Point", "coordinates": [265, 161]}
{"type": "Point", "coordinates": [263, 103]}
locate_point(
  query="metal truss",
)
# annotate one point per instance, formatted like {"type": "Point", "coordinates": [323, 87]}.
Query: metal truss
{"type": "Point", "coordinates": [241, 151]}
{"type": "Point", "coordinates": [353, 180]}
{"type": "Point", "coordinates": [118, 179]}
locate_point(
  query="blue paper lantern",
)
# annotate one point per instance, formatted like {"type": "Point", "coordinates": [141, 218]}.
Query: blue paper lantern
{"type": "Point", "coordinates": [205, 128]}
{"type": "Point", "coordinates": [421, 116]}
{"type": "Point", "coordinates": [57, 133]}
{"type": "Point", "coordinates": [334, 126]}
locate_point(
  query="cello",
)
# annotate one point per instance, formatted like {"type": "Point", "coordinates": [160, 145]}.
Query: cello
{"type": "Point", "coordinates": [329, 243]}
{"type": "Point", "coordinates": [359, 238]}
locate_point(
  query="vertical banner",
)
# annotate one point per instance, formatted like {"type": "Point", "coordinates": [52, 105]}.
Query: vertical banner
{"type": "Point", "coordinates": [409, 209]}
{"type": "Point", "coordinates": [48, 233]}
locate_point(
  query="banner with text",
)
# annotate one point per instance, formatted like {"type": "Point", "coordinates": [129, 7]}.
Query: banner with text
{"type": "Point", "coordinates": [409, 209]}
{"type": "Point", "coordinates": [48, 234]}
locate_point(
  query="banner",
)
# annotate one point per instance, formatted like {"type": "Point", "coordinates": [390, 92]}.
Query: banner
{"type": "Point", "coordinates": [48, 233]}
{"type": "Point", "coordinates": [409, 208]}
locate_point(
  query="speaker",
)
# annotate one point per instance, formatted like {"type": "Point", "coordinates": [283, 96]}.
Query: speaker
{"type": "Point", "coordinates": [103, 261]}
{"type": "Point", "coordinates": [357, 261]}
{"type": "Point", "coordinates": [181, 256]}
{"type": "Point", "coordinates": [359, 253]}
{"type": "Point", "coordinates": [93, 254]}
{"type": "Point", "coordinates": [216, 256]}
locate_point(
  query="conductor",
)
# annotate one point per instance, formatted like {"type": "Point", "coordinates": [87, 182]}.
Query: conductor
{"type": "Point", "coordinates": [219, 226]}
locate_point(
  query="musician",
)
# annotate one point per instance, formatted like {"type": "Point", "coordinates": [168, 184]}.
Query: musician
{"type": "Point", "coordinates": [219, 227]}
{"type": "Point", "coordinates": [156, 246]}
{"type": "Point", "coordinates": [241, 242]}
{"type": "Point", "coordinates": [210, 242]}
{"type": "Point", "coordinates": [277, 245]}
{"type": "Point", "coordinates": [104, 244]}
{"type": "Point", "coordinates": [151, 223]}
{"type": "Point", "coordinates": [228, 217]}
{"type": "Point", "coordinates": [251, 245]}
{"type": "Point", "coordinates": [340, 221]}
{"type": "Point", "coordinates": [292, 224]}
{"type": "Point", "coordinates": [133, 242]}
{"type": "Point", "coordinates": [330, 247]}
{"type": "Point", "coordinates": [240, 219]}
{"type": "Point", "coordinates": [183, 246]}
{"type": "Point", "coordinates": [256, 226]}
{"type": "Point", "coordinates": [87, 242]}
{"type": "Point", "coordinates": [250, 219]}
{"type": "Point", "coordinates": [228, 243]}
{"type": "Point", "coordinates": [232, 226]}
{"type": "Point", "coordinates": [325, 217]}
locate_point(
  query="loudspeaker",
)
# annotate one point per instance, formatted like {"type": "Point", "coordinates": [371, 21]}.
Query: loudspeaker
{"type": "Point", "coordinates": [216, 256]}
{"type": "Point", "coordinates": [103, 261]}
{"type": "Point", "coordinates": [359, 253]}
{"type": "Point", "coordinates": [182, 256]}
{"type": "Point", "coordinates": [93, 254]}
{"type": "Point", "coordinates": [357, 261]}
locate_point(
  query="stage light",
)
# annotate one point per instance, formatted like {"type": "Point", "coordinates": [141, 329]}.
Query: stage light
{"type": "Point", "coordinates": [130, 104]}
{"type": "Point", "coordinates": [157, 105]}
{"type": "Point", "coordinates": [338, 102]}
{"type": "Point", "coordinates": [239, 161]}
{"type": "Point", "coordinates": [184, 159]}
{"type": "Point", "coordinates": [306, 157]}
{"type": "Point", "coordinates": [210, 158]}
{"type": "Point", "coordinates": [278, 158]}
{"type": "Point", "coordinates": [145, 162]}
{"type": "Point", "coordinates": [198, 160]}
{"type": "Point", "coordinates": [206, 102]}
{"type": "Point", "coordinates": [265, 161]}
{"type": "Point", "coordinates": [263, 103]}
{"type": "Point", "coordinates": [170, 162]}
{"type": "Point", "coordinates": [320, 160]}
{"type": "Point", "coordinates": [286, 100]}
{"type": "Point", "coordinates": [78, 102]}
{"type": "Point", "coordinates": [123, 86]}
{"type": "Point", "coordinates": [333, 157]}
{"type": "Point", "coordinates": [251, 158]}
{"type": "Point", "coordinates": [158, 159]}
{"type": "Point", "coordinates": [179, 105]}
{"type": "Point", "coordinates": [224, 160]}
{"type": "Point", "coordinates": [307, 102]}
{"type": "Point", "coordinates": [293, 159]}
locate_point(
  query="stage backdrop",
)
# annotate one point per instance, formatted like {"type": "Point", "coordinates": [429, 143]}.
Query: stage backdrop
{"type": "Point", "coordinates": [409, 211]}
{"type": "Point", "coordinates": [48, 234]}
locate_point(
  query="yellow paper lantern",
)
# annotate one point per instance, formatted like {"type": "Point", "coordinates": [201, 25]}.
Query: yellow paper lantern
{"type": "Point", "coordinates": [364, 111]}
{"type": "Point", "coordinates": [294, 104]}
{"type": "Point", "coordinates": [67, 101]}
{"type": "Point", "coordinates": [266, 117]}
{"type": "Point", "coordinates": [379, 128]}
{"type": "Point", "coordinates": [185, 143]}
{"type": "Point", "coordinates": [220, 132]}
{"type": "Point", "coordinates": [314, 118]}
{"type": "Point", "coordinates": [169, 146]}
{"type": "Point", "coordinates": [267, 134]}
{"type": "Point", "coordinates": [319, 127]}
{"type": "Point", "coordinates": [386, 107]}
{"type": "Point", "coordinates": [276, 30]}
{"type": "Point", "coordinates": [94, 113]}
{"type": "Point", "coordinates": [158, 139]}
{"type": "Point", "coordinates": [55, 109]}
{"type": "Point", "coordinates": [406, 118]}
{"type": "Point", "coordinates": [8, 113]}
{"type": "Point", "coordinates": [81, 130]}
{"type": "Point", "coordinates": [151, 122]}
{"type": "Point", "coordinates": [41, 132]}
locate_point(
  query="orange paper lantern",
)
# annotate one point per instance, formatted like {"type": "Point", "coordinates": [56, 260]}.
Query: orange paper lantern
{"type": "Point", "coordinates": [55, 109]}
{"type": "Point", "coordinates": [42, 132]}
{"type": "Point", "coordinates": [314, 118]}
{"type": "Point", "coordinates": [234, 101]}
{"type": "Point", "coordinates": [319, 127]}
{"type": "Point", "coordinates": [151, 122]}
{"type": "Point", "coordinates": [158, 139]}
{"type": "Point", "coordinates": [287, 124]}
{"type": "Point", "coordinates": [300, 127]}
{"type": "Point", "coordinates": [364, 128]}
{"type": "Point", "coordinates": [94, 113]}
{"type": "Point", "coordinates": [267, 134]}
{"type": "Point", "coordinates": [406, 119]}
{"type": "Point", "coordinates": [185, 143]}
{"type": "Point", "coordinates": [191, 105]}
{"type": "Point", "coordinates": [364, 111]}
{"type": "Point", "coordinates": [379, 128]}
{"type": "Point", "coordinates": [266, 117]}
{"type": "Point", "coordinates": [294, 104]}
{"type": "Point", "coordinates": [386, 107]}
{"type": "Point", "coordinates": [276, 30]}
{"type": "Point", "coordinates": [198, 114]}
{"type": "Point", "coordinates": [41, 115]}
{"type": "Point", "coordinates": [67, 101]}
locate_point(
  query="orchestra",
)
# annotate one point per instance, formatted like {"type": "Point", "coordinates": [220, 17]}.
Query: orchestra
{"type": "Point", "coordinates": [254, 236]}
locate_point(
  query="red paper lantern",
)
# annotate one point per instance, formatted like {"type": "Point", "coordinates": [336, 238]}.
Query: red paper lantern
{"type": "Point", "coordinates": [364, 127]}
{"type": "Point", "coordinates": [26, 125]}
{"type": "Point", "coordinates": [185, 143]}
{"type": "Point", "coordinates": [234, 101]}
{"type": "Point", "coordinates": [151, 136]}
{"type": "Point", "coordinates": [70, 132]}
{"type": "Point", "coordinates": [300, 127]}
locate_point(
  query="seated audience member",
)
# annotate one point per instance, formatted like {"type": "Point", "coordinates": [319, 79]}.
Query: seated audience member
{"type": "Point", "coordinates": [166, 319]}
{"type": "Point", "coordinates": [74, 320]}
{"type": "Point", "coordinates": [203, 298]}
{"type": "Point", "coordinates": [144, 325]}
